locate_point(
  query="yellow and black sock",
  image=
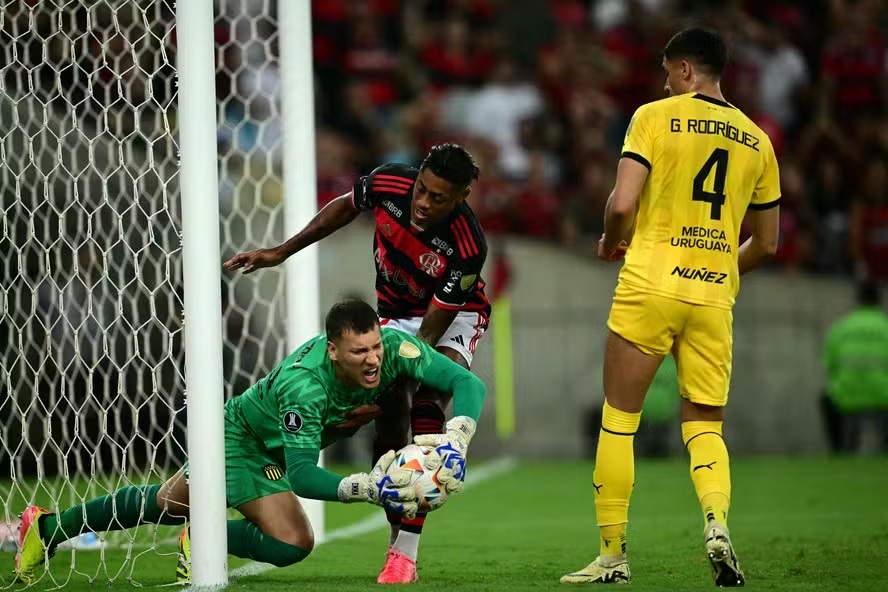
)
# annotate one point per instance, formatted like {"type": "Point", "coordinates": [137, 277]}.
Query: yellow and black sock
{"type": "Point", "coordinates": [710, 467]}
{"type": "Point", "coordinates": [614, 476]}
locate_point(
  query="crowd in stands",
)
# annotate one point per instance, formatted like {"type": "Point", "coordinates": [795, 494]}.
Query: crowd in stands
{"type": "Point", "coordinates": [542, 92]}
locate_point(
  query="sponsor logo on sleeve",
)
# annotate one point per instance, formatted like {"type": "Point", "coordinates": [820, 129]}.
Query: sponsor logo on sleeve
{"type": "Point", "coordinates": [467, 280]}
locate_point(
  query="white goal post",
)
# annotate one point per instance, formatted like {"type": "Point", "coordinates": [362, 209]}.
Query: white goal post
{"type": "Point", "coordinates": [92, 278]}
{"type": "Point", "coordinates": [198, 186]}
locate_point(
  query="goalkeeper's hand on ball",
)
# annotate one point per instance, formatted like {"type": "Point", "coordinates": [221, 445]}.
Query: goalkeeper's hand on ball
{"type": "Point", "coordinates": [380, 488]}
{"type": "Point", "coordinates": [450, 448]}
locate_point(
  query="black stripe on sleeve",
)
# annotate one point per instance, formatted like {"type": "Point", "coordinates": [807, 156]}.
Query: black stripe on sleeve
{"type": "Point", "coordinates": [637, 158]}
{"type": "Point", "coordinates": [765, 206]}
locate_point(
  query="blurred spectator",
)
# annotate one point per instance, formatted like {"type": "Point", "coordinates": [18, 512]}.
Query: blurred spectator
{"type": "Point", "coordinates": [493, 198]}
{"type": "Point", "coordinates": [796, 219]}
{"type": "Point", "coordinates": [635, 46]}
{"type": "Point", "coordinates": [869, 224]}
{"type": "Point", "coordinates": [526, 25]}
{"type": "Point", "coordinates": [335, 173]}
{"type": "Point", "coordinates": [583, 214]}
{"type": "Point", "coordinates": [852, 64]}
{"type": "Point", "coordinates": [360, 120]}
{"type": "Point", "coordinates": [856, 359]}
{"type": "Point", "coordinates": [497, 111]}
{"type": "Point", "coordinates": [829, 199]}
{"type": "Point", "coordinates": [538, 204]}
{"type": "Point", "coordinates": [453, 60]}
{"type": "Point", "coordinates": [369, 58]}
{"type": "Point", "coordinates": [782, 72]}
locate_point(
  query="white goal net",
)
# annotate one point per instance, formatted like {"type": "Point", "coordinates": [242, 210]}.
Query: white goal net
{"type": "Point", "coordinates": [91, 367]}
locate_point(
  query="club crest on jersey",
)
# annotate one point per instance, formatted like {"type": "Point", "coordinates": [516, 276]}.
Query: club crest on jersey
{"type": "Point", "coordinates": [431, 264]}
{"type": "Point", "coordinates": [408, 350]}
{"type": "Point", "coordinates": [272, 472]}
{"type": "Point", "coordinates": [292, 421]}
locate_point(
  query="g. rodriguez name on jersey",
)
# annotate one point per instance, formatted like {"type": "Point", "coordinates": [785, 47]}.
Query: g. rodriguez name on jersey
{"type": "Point", "coordinates": [714, 126]}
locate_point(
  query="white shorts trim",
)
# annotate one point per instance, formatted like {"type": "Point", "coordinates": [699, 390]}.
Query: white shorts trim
{"type": "Point", "coordinates": [463, 334]}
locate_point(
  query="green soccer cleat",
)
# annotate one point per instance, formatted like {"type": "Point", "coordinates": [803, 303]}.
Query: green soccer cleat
{"type": "Point", "coordinates": [725, 567]}
{"type": "Point", "coordinates": [183, 569]}
{"type": "Point", "coordinates": [617, 572]}
{"type": "Point", "coordinates": [32, 550]}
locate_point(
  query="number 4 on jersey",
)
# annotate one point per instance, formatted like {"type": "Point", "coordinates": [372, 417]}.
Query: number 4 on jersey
{"type": "Point", "coordinates": [716, 197]}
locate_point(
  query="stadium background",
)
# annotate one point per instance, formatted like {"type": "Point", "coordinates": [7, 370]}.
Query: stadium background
{"type": "Point", "coordinates": [541, 92]}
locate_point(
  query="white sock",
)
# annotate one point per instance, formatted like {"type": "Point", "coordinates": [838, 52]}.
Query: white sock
{"type": "Point", "coordinates": [408, 544]}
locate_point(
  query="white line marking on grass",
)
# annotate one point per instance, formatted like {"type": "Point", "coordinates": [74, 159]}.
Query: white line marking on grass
{"type": "Point", "coordinates": [483, 473]}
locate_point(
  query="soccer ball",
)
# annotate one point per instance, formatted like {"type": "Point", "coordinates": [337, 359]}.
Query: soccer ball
{"type": "Point", "coordinates": [430, 494]}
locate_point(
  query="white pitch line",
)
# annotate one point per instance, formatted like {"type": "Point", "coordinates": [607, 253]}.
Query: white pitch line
{"type": "Point", "coordinates": [376, 521]}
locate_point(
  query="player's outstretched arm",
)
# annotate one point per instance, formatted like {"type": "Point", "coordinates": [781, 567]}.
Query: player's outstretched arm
{"type": "Point", "coordinates": [762, 245]}
{"type": "Point", "coordinates": [332, 217]}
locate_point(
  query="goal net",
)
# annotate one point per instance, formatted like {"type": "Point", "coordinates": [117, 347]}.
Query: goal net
{"type": "Point", "coordinates": [92, 363]}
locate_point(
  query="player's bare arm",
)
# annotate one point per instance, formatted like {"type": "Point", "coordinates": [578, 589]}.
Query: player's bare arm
{"type": "Point", "coordinates": [762, 245]}
{"type": "Point", "coordinates": [336, 214]}
{"type": "Point", "coordinates": [619, 214]}
{"type": "Point", "coordinates": [434, 323]}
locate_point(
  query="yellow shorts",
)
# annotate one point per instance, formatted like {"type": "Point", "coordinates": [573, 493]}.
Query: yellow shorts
{"type": "Point", "coordinates": [699, 337]}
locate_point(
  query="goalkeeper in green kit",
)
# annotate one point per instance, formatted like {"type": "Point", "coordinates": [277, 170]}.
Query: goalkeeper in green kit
{"type": "Point", "coordinates": [274, 433]}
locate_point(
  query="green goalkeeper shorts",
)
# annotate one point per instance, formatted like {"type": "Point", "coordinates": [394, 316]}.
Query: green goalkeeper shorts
{"type": "Point", "coordinates": [250, 471]}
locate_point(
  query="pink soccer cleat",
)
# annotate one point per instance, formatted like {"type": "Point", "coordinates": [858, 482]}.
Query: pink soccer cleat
{"type": "Point", "coordinates": [398, 569]}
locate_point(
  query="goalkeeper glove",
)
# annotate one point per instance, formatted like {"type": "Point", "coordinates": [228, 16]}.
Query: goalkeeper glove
{"type": "Point", "coordinates": [451, 448]}
{"type": "Point", "coordinates": [380, 488]}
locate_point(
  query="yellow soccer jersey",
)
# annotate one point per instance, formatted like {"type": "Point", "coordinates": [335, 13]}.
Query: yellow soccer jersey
{"type": "Point", "coordinates": [708, 163]}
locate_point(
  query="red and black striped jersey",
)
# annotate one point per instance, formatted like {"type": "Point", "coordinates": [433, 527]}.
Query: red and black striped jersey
{"type": "Point", "coordinates": [441, 264]}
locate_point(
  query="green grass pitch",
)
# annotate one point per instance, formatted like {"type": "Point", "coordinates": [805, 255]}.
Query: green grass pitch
{"type": "Point", "coordinates": [798, 524]}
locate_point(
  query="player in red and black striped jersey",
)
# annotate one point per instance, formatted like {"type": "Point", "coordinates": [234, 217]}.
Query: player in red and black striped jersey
{"type": "Point", "coordinates": [428, 250]}
{"type": "Point", "coordinates": [419, 263]}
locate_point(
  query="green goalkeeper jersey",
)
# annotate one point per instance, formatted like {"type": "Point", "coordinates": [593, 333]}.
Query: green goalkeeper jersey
{"type": "Point", "coordinates": [288, 409]}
